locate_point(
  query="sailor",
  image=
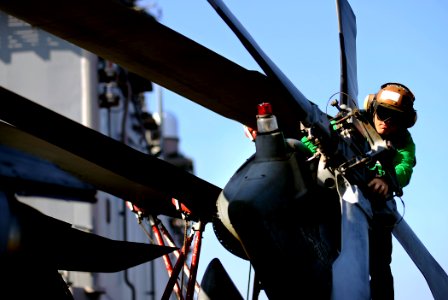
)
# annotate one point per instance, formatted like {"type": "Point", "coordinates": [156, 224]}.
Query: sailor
{"type": "Point", "coordinates": [391, 111]}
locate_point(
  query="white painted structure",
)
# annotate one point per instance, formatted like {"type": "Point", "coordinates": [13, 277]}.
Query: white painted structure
{"type": "Point", "coordinates": [63, 77]}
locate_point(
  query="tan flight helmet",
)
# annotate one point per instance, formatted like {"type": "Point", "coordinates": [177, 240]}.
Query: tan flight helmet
{"type": "Point", "coordinates": [395, 96]}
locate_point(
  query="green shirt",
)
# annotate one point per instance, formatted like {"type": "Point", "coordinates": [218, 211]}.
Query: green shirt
{"type": "Point", "coordinates": [403, 161]}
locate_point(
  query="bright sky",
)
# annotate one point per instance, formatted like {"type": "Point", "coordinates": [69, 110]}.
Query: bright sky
{"type": "Point", "coordinates": [398, 40]}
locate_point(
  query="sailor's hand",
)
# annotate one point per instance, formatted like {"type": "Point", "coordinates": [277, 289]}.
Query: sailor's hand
{"type": "Point", "coordinates": [250, 133]}
{"type": "Point", "coordinates": [379, 186]}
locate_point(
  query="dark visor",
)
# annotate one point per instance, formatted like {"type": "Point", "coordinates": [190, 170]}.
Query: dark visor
{"type": "Point", "coordinates": [386, 114]}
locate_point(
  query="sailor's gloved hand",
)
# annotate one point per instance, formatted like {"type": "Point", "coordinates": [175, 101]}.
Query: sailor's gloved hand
{"type": "Point", "coordinates": [379, 186]}
{"type": "Point", "coordinates": [250, 133]}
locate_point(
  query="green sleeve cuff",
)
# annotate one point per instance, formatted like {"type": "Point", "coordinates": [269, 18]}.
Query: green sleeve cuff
{"type": "Point", "coordinates": [309, 144]}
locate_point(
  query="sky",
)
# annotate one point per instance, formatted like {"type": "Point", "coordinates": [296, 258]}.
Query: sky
{"type": "Point", "coordinates": [397, 41]}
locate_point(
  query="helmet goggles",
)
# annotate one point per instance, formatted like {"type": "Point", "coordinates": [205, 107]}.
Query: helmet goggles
{"type": "Point", "coordinates": [388, 115]}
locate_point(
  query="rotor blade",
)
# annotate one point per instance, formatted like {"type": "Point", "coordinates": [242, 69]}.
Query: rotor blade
{"type": "Point", "coordinates": [41, 237]}
{"type": "Point", "coordinates": [347, 39]}
{"type": "Point", "coordinates": [88, 252]}
{"type": "Point", "coordinates": [351, 267]}
{"type": "Point", "coordinates": [303, 109]}
{"type": "Point", "coordinates": [216, 283]}
{"type": "Point", "coordinates": [138, 43]}
{"type": "Point", "coordinates": [148, 182]}
{"type": "Point", "coordinates": [435, 276]}
{"type": "Point", "coordinates": [33, 176]}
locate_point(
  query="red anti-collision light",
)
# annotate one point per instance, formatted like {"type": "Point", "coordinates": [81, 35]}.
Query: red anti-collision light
{"type": "Point", "coordinates": [265, 108]}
